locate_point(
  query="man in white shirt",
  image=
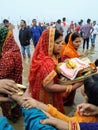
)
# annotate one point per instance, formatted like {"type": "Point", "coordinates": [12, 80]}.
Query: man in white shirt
{"type": "Point", "coordinates": [65, 27]}
{"type": "Point", "coordinates": [94, 33]}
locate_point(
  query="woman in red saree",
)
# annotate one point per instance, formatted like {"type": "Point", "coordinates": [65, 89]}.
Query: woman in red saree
{"type": "Point", "coordinates": [10, 68]}
{"type": "Point", "coordinates": [43, 76]}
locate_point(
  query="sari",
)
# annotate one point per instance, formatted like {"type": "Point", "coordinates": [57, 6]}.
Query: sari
{"type": "Point", "coordinates": [43, 71]}
{"type": "Point", "coordinates": [69, 51]}
{"type": "Point", "coordinates": [10, 67]}
{"type": "Point", "coordinates": [77, 117]}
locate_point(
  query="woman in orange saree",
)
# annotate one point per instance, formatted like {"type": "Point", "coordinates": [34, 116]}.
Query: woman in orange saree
{"type": "Point", "coordinates": [71, 51]}
{"type": "Point", "coordinates": [73, 44]}
{"type": "Point", "coordinates": [43, 76]}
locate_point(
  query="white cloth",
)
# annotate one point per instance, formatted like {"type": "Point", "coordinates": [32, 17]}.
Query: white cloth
{"type": "Point", "coordinates": [71, 73]}
{"type": "Point", "coordinates": [65, 29]}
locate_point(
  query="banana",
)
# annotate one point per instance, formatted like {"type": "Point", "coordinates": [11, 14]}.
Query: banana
{"type": "Point", "coordinates": [70, 64]}
{"type": "Point", "coordinates": [67, 64]}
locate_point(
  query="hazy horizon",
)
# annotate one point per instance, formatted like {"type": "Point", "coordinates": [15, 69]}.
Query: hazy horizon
{"type": "Point", "coordinates": [49, 10]}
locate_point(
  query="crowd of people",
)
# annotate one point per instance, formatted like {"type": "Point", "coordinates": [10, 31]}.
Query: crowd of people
{"type": "Point", "coordinates": [52, 44]}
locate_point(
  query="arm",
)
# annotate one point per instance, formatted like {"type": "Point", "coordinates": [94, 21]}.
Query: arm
{"type": "Point", "coordinates": [51, 87]}
{"type": "Point", "coordinates": [4, 99]}
{"type": "Point", "coordinates": [62, 125]}
{"type": "Point", "coordinates": [92, 29]}
{"type": "Point", "coordinates": [40, 30]}
{"type": "Point", "coordinates": [4, 124]}
{"type": "Point", "coordinates": [29, 103]}
{"type": "Point", "coordinates": [83, 54]}
{"type": "Point", "coordinates": [29, 34]}
{"type": "Point", "coordinates": [32, 120]}
{"type": "Point", "coordinates": [35, 118]}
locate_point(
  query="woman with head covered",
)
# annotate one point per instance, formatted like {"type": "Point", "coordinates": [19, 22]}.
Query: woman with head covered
{"type": "Point", "coordinates": [43, 76]}
{"type": "Point", "coordinates": [10, 68]}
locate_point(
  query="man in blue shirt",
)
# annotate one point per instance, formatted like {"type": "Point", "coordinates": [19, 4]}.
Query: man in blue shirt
{"type": "Point", "coordinates": [36, 32]}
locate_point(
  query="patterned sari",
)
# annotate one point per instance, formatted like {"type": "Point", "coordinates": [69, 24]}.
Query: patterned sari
{"type": "Point", "coordinates": [42, 71]}
{"type": "Point", "coordinates": [10, 67]}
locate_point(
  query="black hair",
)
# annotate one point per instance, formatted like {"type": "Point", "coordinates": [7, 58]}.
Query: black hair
{"type": "Point", "coordinates": [88, 20]}
{"type": "Point", "coordinates": [5, 21]}
{"type": "Point", "coordinates": [96, 62]}
{"type": "Point", "coordinates": [74, 36]}
{"type": "Point", "coordinates": [34, 20]}
{"type": "Point", "coordinates": [59, 21]}
{"type": "Point", "coordinates": [91, 89]}
{"type": "Point", "coordinates": [67, 38]}
{"type": "Point", "coordinates": [57, 35]}
{"type": "Point", "coordinates": [23, 21]}
{"type": "Point", "coordinates": [64, 19]}
{"type": "Point", "coordinates": [80, 23]}
{"type": "Point", "coordinates": [81, 20]}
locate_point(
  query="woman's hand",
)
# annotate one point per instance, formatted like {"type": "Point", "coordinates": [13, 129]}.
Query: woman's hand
{"type": "Point", "coordinates": [83, 54]}
{"type": "Point", "coordinates": [87, 109]}
{"type": "Point", "coordinates": [29, 103]}
{"type": "Point", "coordinates": [59, 124]}
{"type": "Point", "coordinates": [77, 85]}
{"type": "Point", "coordinates": [8, 86]}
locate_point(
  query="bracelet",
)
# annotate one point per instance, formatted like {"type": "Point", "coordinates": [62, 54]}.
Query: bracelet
{"type": "Point", "coordinates": [68, 88]}
{"type": "Point", "coordinates": [74, 126]}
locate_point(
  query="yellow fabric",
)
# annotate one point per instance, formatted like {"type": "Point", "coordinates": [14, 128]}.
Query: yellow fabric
{"type": "Point", "coordinates": [76, 118]}
{"type": "Point", "coordinates": [51, 41]}
{"type": "Point", "coordinates": [49, 78]}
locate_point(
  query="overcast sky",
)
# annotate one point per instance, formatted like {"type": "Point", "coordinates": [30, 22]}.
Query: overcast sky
{"type": "Point", "coordinates": [51, 10]}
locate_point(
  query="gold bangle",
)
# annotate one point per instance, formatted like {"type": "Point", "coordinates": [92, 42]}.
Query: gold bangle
{"type": "Point", "coordinates": [69, 88]}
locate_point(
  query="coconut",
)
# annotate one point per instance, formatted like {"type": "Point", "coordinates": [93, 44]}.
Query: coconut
{"type": "Point", "coordinates": [21, 89]}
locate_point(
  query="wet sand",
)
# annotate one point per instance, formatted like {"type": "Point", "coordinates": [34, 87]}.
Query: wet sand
{"type": "Point", "coordinates": [93, 55]}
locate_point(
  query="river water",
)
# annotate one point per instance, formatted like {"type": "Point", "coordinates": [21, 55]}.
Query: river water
{"type": "Point", "coordinates": [93, 55]}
